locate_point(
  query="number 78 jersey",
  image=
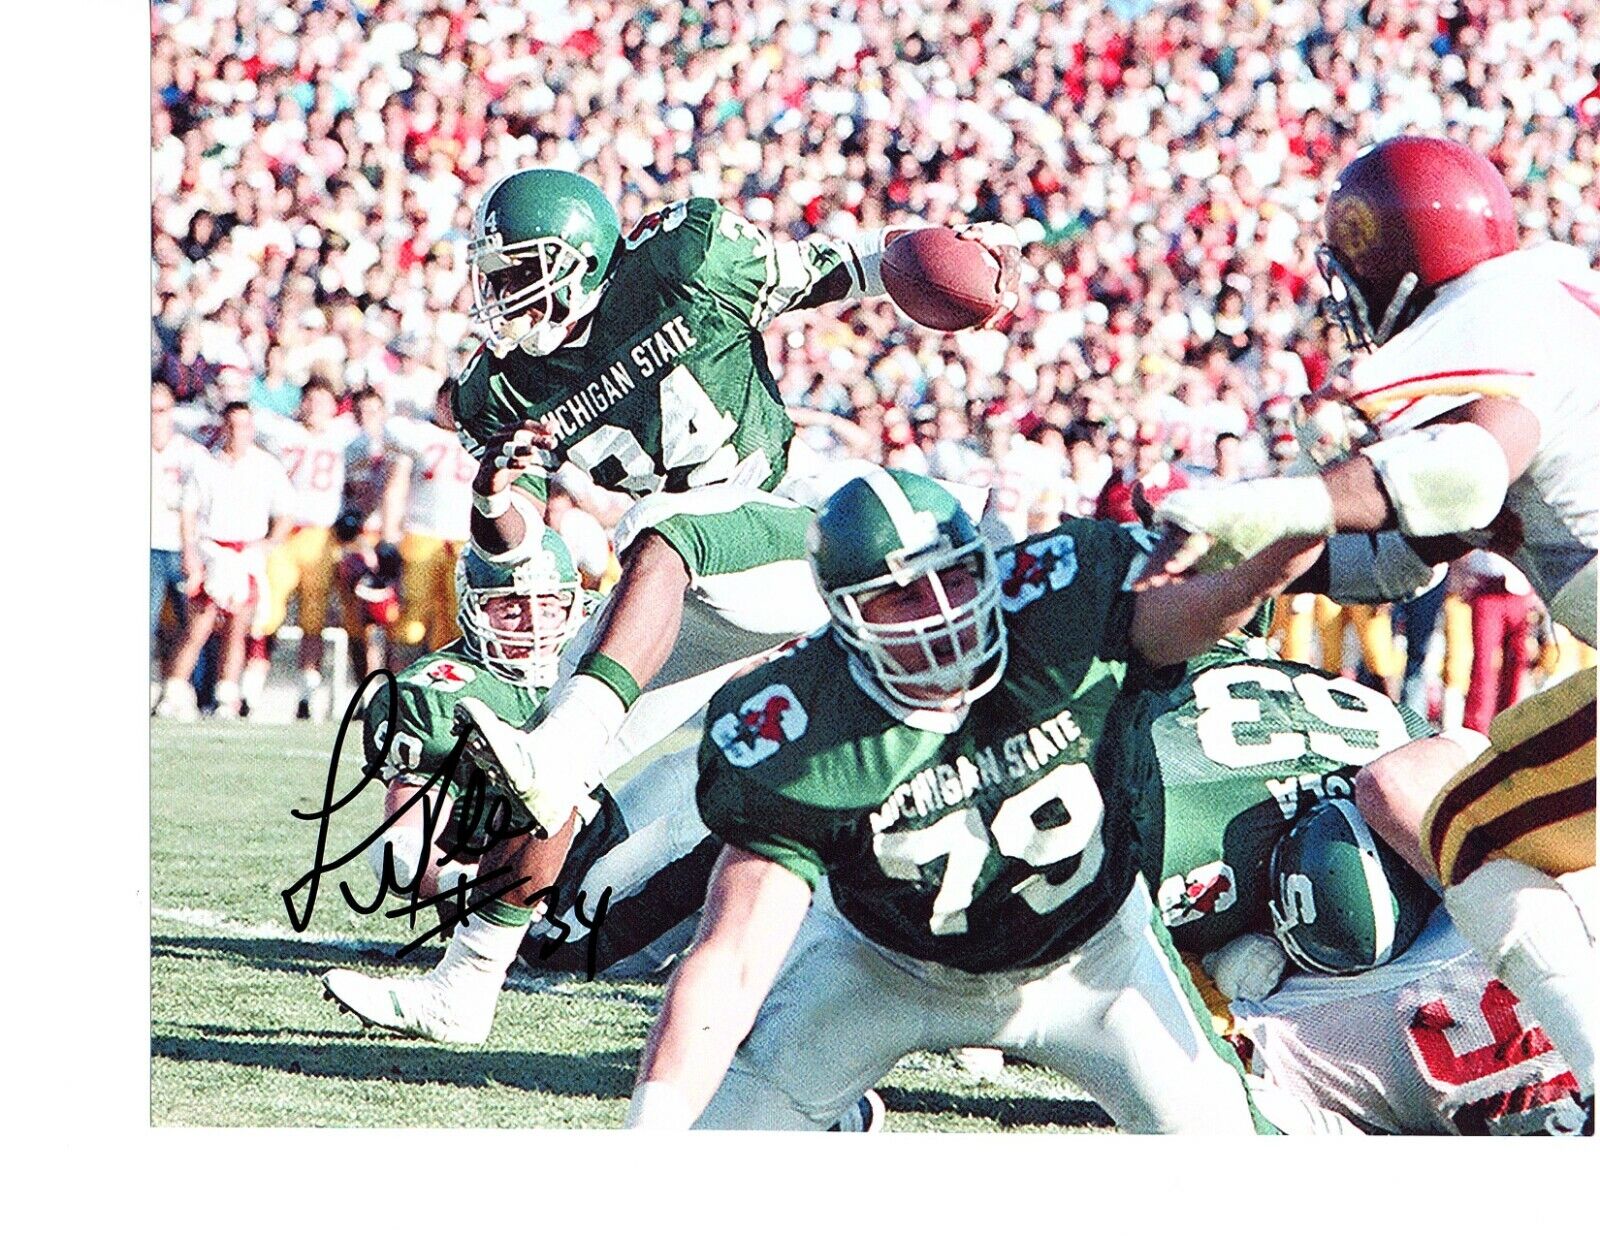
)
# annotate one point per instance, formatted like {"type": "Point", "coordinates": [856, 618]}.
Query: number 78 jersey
{"type": "Point", "coordinates": [670, 389]}
{"type": "Point", "coordinates": [974, 840]}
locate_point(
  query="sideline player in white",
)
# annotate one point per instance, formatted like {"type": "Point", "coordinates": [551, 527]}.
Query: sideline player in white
{"type": "Point", "coordinates": [1480, 392]}
{"type": "Point", "coordinates": [931, 755]}
{"type": "Point", "coordinates": [427, 513]}
{"type": "Point", "coordinates": [311, 448]}
{"type": "Point", "coordinates": [242, 501]}
{"type": "Point", "coordinates": [174, 556]}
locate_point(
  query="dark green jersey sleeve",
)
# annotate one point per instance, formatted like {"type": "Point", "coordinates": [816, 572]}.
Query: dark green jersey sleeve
{"type": "Point", "coordinates": [753, 274]}
{"type": "Point", "coordinates": [741, 812]}
{"type": "Point", "coordinates": [406, 733]}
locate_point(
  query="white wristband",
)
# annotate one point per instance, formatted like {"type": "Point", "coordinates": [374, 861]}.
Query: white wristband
{"type": "Point", "coordinates": [492, 506]}
{"type": "Point", "coordinates": [1245, 518]}
{"type": "Point", "coordinates": [863, 255]}
{"type": "Point", "coordinates": [658, 1105]}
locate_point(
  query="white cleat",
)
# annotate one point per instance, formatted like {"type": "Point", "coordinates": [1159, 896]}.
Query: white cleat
{"type": "Point", "coordinates": [505, 754]}
{"type": "Point", "coordinates": [984, 1063]}
{"type": "Point", "coordinates": [177, 702]}
{"type": "Point", "coordinates": [425, 1008]}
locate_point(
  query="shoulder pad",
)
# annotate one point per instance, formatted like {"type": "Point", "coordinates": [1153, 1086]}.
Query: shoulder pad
{"type": "Point", "coordinates": [674, 240]}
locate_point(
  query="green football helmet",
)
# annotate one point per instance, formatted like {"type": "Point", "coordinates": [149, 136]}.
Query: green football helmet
{"type": "Point", "coordinates": [516, 617]}
{"type": "Point", "coordinates": [888, 530]}
{"type": "Point", "coordinates": [541, 248]}
{"type": "Point", "coordinates": [1341, 901]}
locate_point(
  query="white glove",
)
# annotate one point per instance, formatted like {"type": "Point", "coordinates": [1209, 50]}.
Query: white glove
{"type": "Point", "coordinates": [1005, 246]}
{"type": "Point", "coordinates": [1248, 967]}
{"type": "Point", "coordinates": [1243, 519]}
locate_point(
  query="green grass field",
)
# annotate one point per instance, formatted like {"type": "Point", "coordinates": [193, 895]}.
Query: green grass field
{"type": "Point", "coordinates": [241, 1035]}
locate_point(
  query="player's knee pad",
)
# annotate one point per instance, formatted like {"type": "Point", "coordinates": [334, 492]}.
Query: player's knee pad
{"type": "Point", "coordinates": [1442, 478]}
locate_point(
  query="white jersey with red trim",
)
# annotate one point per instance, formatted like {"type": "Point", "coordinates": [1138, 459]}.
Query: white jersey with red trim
{"type": "Point", "coordinates": [439, 502]}
{"type": "Point", "coordinates": [1430, 1043]}
{"type": "Point", "coordinates": [315, 463]}
{"type": "Point", "coordinates": [1525, 326]}
{"type": "Point", "coordinates": [237, 499]}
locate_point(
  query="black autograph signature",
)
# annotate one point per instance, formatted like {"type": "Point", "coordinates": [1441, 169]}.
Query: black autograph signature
{"type": "Point", "coordinates": [476, 803]}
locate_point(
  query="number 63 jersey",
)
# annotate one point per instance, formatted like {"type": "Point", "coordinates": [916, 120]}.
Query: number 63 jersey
{"type": "Point", "coordinates": [670, 388]}
{"type": "Point", "coordinates": [1213, 770]}
{"type": "Point", "coordinates": [974, 839]}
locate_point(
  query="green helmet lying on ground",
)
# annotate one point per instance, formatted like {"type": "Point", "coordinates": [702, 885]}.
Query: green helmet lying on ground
{"type": "Point", "coordinates": [541, 247]}
{"type": "Point", "coordinates": [516, 616]}
{"type": "Point", "coordinates": [891, 529]}
{"type": "Point", "coordinates": [1341, 901]}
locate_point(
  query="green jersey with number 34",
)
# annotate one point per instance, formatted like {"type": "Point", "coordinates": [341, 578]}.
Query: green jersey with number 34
{"type": "Point", "coordinates": [971, 839]}
{"type": "Point", "coordinates": [670, 389]}
{"type": "Point", "coordinates": [1213, 770]}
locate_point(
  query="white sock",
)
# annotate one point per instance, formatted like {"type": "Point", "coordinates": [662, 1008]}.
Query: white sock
{"type": "Point", "coordinates": [1525, 925]}
{"type": "Point", "coordinates": [253, 681]}
{"type": "Point", "coordinates": [310, 680]}
{"type": "Point", "coordinates": [227, 694]}
{"type": "Point", "coordinates": [177, 689]}
{"type": "Point", "coordinates": [1452, 708]}
{"type": "Point", "coordinates": [480, 947]}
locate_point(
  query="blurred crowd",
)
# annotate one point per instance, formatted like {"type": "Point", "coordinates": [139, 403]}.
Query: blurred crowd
{"type": "Point", "coordinates": [315, 163]}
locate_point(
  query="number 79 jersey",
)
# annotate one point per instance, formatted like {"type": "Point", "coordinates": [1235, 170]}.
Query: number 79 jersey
{"type": "Point", "coordinates": [974, 840]}
{"type": "Point", "coordinates": [1213, 770]}
{"type": "Point", "coordinates": [671, 388]}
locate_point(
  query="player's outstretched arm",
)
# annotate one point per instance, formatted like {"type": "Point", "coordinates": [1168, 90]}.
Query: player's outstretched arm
{"type": "Point", "coordinates": [1447, 476]}
{"type": "Point", "coordinates": [1175, 623]}
{"type": "Point", "coordinates": [1394, 791]}
{"type": "Point", "coordinates": [753, 909]}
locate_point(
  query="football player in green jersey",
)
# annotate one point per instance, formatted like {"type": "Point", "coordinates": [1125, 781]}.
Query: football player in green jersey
{"type": "Point", "coordinates": [1322, 950]}
{"type": "Point", "coordinates": [1213, 770]}
{"type": "Point", "coordinates": [641, 858]}
{"type": "Point", "coordinates": [931, 755]}
{"type": "Point", "coordinates": [640, 362]}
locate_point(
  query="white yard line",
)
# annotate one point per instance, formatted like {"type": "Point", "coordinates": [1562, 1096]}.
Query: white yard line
{"type": "Point", "coordinates": [211, 920]}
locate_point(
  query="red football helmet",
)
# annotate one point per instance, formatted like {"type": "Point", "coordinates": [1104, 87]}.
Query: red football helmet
{"type": "Point", "coordinates": [1406, 216]}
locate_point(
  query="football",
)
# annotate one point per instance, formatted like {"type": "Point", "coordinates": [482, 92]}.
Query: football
{"type": "Point", "coordinates": [941, 280]}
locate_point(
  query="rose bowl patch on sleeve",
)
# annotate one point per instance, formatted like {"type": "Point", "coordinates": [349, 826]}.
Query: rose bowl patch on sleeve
{"type": "Point", "coordinates": [762, 724]}
{"type": "Point", "coordinates": [1029, 571]}
{"type": "Point", "coordinates": [1208, 889]}
{"type": "Point", "coordinates": [448, 675]}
